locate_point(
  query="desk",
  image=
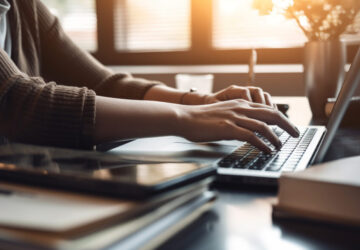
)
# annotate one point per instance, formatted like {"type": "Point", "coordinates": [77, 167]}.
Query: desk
{"type": "Point", "coordinates": [241, 218]}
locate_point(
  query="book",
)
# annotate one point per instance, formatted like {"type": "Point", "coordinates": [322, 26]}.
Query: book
{"type": "Point", "coordinates": [66, 214]}
{"type": "Point", "coordinates": [145, 231]}
{"type": "Point", "coordinates": [155, 234]}
{"type": "Point", "coordinates": [328, 192]}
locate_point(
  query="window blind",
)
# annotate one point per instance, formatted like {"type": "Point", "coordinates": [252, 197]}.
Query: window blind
{"type": "Point", "coordinates": [152, 25]}
{"type": "Point", "coordinates": [78, 19]}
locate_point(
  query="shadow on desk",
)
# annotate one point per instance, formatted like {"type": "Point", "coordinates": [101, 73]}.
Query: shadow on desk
{"type": "Point", "coordinates": [313, 235]}
{"type": "Point", "coordinates": [190, 236]}
{"type": "Point", "coordinates": [209, 232]}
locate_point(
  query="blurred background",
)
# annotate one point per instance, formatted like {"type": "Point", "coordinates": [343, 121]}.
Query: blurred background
{"type": "Point", "coordinates": [158, 38]}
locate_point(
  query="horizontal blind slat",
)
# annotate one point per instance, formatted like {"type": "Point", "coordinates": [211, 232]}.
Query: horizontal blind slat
{"type": "Point", "coordinates": [152, 25]}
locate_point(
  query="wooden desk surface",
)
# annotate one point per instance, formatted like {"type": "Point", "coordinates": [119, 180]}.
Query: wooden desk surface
{"type": "Point", "coordinates": [241, 218]}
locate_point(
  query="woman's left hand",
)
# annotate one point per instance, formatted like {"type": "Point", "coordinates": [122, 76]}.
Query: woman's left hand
{"type": "Point", "coordinates": [251, 94]}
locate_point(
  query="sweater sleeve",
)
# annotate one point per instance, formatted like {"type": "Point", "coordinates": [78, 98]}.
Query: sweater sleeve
{"type": "Point", "coordinates": [36, 112]}
{"type": "Point", "coordinates": [65, 63]}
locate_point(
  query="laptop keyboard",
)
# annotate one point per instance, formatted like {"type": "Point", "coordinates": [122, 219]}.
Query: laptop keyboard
{"type": "Point", "coordinates": [249, 157]}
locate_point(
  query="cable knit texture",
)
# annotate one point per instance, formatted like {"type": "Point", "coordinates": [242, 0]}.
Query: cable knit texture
{"type": "Point", "coordinates": [48, 86]}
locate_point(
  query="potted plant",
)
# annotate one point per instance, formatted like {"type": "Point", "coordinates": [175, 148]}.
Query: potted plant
{"type": "Point", "coordinates": [323, 22]}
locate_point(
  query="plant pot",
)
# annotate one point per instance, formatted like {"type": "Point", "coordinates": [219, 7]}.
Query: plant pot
{"type": "Point", "coordinates": [324, 73]}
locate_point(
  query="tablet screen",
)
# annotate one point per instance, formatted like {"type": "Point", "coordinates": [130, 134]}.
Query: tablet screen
{"type": "Point", "coordinates": [94, 172]}
{"type": "Point", "coordinates": [140, 174]}
{"type": "Point", "coordinates": [147, 174]}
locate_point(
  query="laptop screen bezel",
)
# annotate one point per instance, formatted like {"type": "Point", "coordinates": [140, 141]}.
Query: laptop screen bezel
{"type": "Point", "coordinates": [342, 103]}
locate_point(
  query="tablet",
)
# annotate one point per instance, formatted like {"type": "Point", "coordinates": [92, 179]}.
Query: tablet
{"type": "Point", "coordinates": [138, 181]}
{"type": "Point", "coordinates": [125, 180]}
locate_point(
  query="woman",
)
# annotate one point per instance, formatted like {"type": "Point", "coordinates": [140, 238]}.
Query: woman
{"type": "Point", "coordinates": [53, 93]}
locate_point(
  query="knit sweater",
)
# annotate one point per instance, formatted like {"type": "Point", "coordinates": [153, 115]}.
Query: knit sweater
{"type": "Point", "coordinates": [48, 86]}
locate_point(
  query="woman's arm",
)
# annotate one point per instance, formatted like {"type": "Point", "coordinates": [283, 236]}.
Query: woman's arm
{"type": "Point", "coordinates": [167, 94]}
{"type": "Point", "coordinates": [63, 62]}
{"type": "Point", "coordinates": [35, 112]}
{"type": "Point", "coordinates": [230, 120]}
{"type": "Point", "coordinates": [127, 119]}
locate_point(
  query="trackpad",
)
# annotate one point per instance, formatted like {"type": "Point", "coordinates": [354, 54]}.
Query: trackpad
{"type": "Point", "coordinates": [178, 147]}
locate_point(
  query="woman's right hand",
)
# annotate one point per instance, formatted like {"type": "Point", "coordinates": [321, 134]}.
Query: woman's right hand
{"type": "Point", "coordinates": [233, 120]}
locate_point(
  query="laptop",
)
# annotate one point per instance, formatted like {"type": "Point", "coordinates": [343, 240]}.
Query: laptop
{"type": "Point", "coordinates": [240, 162]}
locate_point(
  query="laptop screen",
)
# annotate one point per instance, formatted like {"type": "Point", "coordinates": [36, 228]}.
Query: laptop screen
{"type": "Point", "coordinates": [348, 89]}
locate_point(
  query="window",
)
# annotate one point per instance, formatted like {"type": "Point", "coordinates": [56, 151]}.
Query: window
{"type": "Point", "coordinates": [131, 32]}
{"type": "Point", "coordinates": [78, 19]}
{"type": "Point", "coordinates": [152, 25]}
{"type": "Point", "coordinates": [238, 25]}
{"type": "Point", "coordinates": [354, 32]}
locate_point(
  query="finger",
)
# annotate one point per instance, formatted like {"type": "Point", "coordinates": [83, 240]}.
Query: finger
{"type": "Point", "coordinates": [257, 94]}
{"type": "Point", "coordinates": [275, 106]}
{"type": "Point", "coordinates": [260, 106]}
{"type": "Point", "coordinates": [236, 92]}
{"type": "Point", "coordinates": [248, 136]}
{"type": "Point", "coordinates": [268, 100]}
{"type": "Point", "coordinates": [246, 95]}
{"type": "Point", "coordinates": [273, 117]}
{"type": "Point", "coordinates": [260, 127]}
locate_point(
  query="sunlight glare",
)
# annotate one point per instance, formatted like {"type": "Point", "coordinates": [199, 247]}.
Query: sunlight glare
{"type": "Point", "coordinates": [229, 6]}
{"type": "Point", "coordinates": [304, 22]}
{"type": "Point", "coordinates": [283, 3]}
{"type": "Point", "coordinates": [238, 25]}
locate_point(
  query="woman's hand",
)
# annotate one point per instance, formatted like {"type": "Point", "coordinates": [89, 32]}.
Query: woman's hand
{"type": "Point", "coordinates": [233, 120]}
{"type": "Point", "coordinates": [251, 94]}
{"type": "Point", "coordinates": [228, 120]}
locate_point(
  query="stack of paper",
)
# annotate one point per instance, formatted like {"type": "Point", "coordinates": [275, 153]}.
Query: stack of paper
{"type": "Point", "coordinates": [40, 218]}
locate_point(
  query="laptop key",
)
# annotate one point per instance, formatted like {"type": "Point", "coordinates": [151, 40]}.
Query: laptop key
{"type": "Point", "coordinates": [239, 165]}
{"type": "Point", "coordinates": [258, 165]}
{"type": "Point", "coordinates": [224, 164]}
{"type": "Point", "coordinates": [274, 168]}
{"type": "Point", "coordinates": [243, 163]}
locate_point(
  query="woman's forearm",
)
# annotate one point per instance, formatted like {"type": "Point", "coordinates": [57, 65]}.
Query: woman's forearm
{"type": "Point", "coordinates": [166, 94]}
{"type": "Point", "coordinates": [231, 120]}
{"type": "Point", "coordinates": [123, 119]}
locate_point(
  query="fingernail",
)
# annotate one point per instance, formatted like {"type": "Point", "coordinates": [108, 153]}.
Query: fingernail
{"type": "Point", "coordinates": [279, 145]}
{"type": "Point", "coordinates": [268, 151]}
{"type": "Point", "coordinates": [298, 131]}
